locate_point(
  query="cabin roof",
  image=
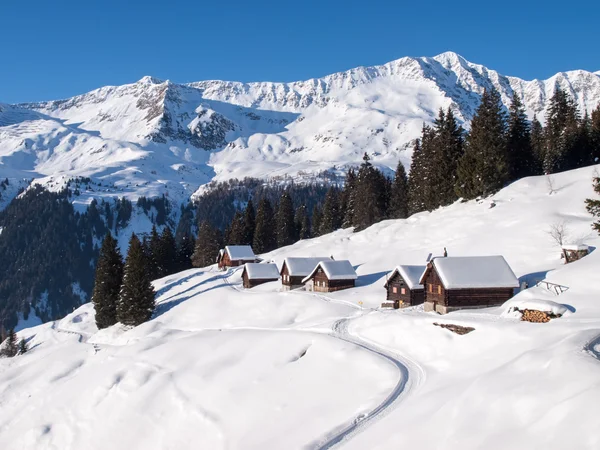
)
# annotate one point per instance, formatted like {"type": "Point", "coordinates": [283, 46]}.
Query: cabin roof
{"type": "Point", "coordinates": [240, 252]}
{"type": "Point", "coordinates": [575, 247]}
{"type": "Point", "coordinates": [335, 270]}
{"type": "Point", "coordinates": [301, 267]}
{"type": "Point", "coordinates": [468, 272]}
{"type": "Point", "coordinates": [258, 271]}
{"type": "Point", "coordinates": [411, 275]}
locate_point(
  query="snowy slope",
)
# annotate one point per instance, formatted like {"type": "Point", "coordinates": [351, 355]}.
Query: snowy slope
{"type": "Point", "coordinates": [153, 137]}
{"type": "Point", "coordinates": [223, 367]}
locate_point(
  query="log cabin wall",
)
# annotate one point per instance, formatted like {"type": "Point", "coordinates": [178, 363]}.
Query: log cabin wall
{"type": "Point", "coordinates": [399, 292]}
{"type": "Point", "coordinates": [323, 284]}
{"type": "Point", "coordinates": [434, 289]}
{"type": "Point", "coordinates": [478, 297]}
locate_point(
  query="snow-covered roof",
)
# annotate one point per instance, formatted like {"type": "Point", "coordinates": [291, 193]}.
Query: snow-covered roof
{"type": "Point", "coordinates": [335, 270]}
{"type": "Point", "coordinates": [464, 272]}
{"type": "Point", "coordinates": [240, 252]}
{"type": "Point", "coordinates": [411, 275]}
{"type": "Point", "coordinates": [301, 267]}
{"type": "Point", "coordinates": [575, 247]}
{"type": "Point", "coordinates": [258, 271]}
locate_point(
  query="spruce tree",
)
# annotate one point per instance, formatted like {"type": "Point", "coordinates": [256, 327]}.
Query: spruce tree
{"type": "Point", "coordinates": [593, 205]}
{"type": "Point", "coordinates": [484, 170]}
{"type": "Point", "coordinates": [538, 146]}
{"type": "Point", "coordinates": [249, 223]}
{"type": "Point", "coordinates": [207, 246]}
{"type": "Point", "coordinates": [136, 299]}
{"type": "Point", "coordinates": [237, 230]}
{"type": "Point", "coordinates": [302, 223]}
{"type": "Point", "coordinates": [562, 119]}
{"type": "Point", "coordinates": [264, 236]}
{"type": "Point", "coordinates": [349, 199]}
{"type": "Point", "coordinates": [185, 250]}
{"type": "Point", "coordinates": [521, 162]}
{"type": "Point", "coordinates": [23, 347]}
{"type": "Point", "coordinates": [595, 135]}
{"type": "Point", "coordinates": [399, 197]}
{"type": "Point", "coordinates": [107, 285]}
{"type": "Point", "coordinates": [10, 346]}
{"type": "Point", "coordinates": [372, 196]}
{"type": "Point", "coordinates": [417, 179]}
{"type": "Point", "coordinates": [316, 221]}
{"type": "Point", "coordinates": [153, 245]}
{"type": "Point", "coordinates": [166, 259]}
{"type": "Point", "coordinates": [331, 215]}
{"type": "Point", "coordinates": [286, 227]}
{"type": "Point", "coordinates": [445, 150]}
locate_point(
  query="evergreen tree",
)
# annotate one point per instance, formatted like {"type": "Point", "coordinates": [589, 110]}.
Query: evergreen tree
{"type": "Point", "coordinates": [593, 205]}
{"type": "Point", "coordinates": [23, 347]}
{"type": "Point", "coordinates": [249, 224]}
{"type": "Point", "coordinates": [331, 215]}
{"type": "Point", "coordinates": [264, 236]}
{"type": "Point", "coordinates": [417, 182]}
{"type": "Point", "coordinates": [237, 230]}
{"type": "Point", "coordinates": [562, 120]}
{"type": "Point", "coordinates": [107, 285]}
{"type": "Point", "coordinates": [372, 196]}
{"type": "Point", "coordinates": [136, 299]}
{"type": "Point", "coordinates": [316, 221]}
{"type": "Point", "coordinates": [152, 250]}
{"type": "Point", "coordinates": [349, 199]}
{"type": "Point", "coordinates": [302, 223]}
{"type": "Point", "coordinates": [166, 259]}
{"type": "Point", "coordinates": [520, 158]}
{"type": "Point", "coordinates": [207, 246]}
{"type": "Point", "coordinates": [10, 346]}
{"type": "Point", "coordinates": [483, 170]}
{"type": "Point", "coordinates": [399, 197]}
{"type": "Point", "coordinates": [286, 227]}
{"type": "Point", "coordinates": [595, 135]}
{"type": "Point", "coordinates": [185, 250]}
{"type": "Point", "coordinates": [538, 145]}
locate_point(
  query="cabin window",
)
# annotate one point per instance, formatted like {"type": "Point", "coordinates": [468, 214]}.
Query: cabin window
{"type": "Point", "coordinates": [439, 289]}
{"type": "Point", "coordinates": [403, 291]}
{"type": "Point", "coordinates": [395, 290]}
{"type": "Point", "coordinates": [431, 288]}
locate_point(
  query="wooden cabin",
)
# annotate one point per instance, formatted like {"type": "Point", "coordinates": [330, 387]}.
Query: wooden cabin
{"type": "Point", "coordinates": [404, 286]}
{"type": "Point", "coordinates": [467, 282]}
{"type": "Point", "coordinates": [255, 274]}
{"type": "Point", "coordinates": [235, 255]}
{"type": "Point", "coordinates": [574, 252]}
{"type": "Point", "coordinates": [295, 269]}
{"type": "Point", "coordinates": [331, 276]}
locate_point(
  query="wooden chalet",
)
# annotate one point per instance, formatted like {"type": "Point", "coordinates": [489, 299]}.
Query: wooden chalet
{"type": "Point", "coordinates": [235, 255]}
{"type": "Point", "coordinates": [331, 276]}
{"type": "Point", "coordinates": [295, 269]}
{"type": "Point", "coordinates": [468, 282]}
{"type": "Point", "coordinates": [255, 274]}
{"type": "Point", "coordinates": [574, 252]}
{"type": "Point", "coordinates": [404, 286]}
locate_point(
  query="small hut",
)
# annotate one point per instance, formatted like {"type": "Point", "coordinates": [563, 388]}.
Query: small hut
{"type": "Point", "coordinates": [255, 274]}
{"type": "Point", "coordinates": [467, 282]}
{"type": "Point", "coordinates": [235, 255]}
{"type": "Point", "coordinates": [574, 252]}
{"type": "Point", "coordinates": [295, 269]}
{"type": "Point", "coordinates": [404, 286]}
{"type": "Point", "coordinates": [331, 276]}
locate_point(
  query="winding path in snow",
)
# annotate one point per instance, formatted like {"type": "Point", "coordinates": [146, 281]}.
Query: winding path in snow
{"type": "Point", "coordinates": [411, 374]}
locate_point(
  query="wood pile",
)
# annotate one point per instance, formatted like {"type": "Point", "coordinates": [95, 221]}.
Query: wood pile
{"type": "Point", "coordinates": [532, 315]}
{"type": "Point", "coordinates": [458, 329]}
{"type": "Point", "coordinates": [387, 305]}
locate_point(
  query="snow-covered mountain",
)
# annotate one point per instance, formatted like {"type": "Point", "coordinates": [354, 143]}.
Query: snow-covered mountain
{"type": "Point", "coordinates": [220, 367]}
{"type": "Point", "coordinates": [154, 136]}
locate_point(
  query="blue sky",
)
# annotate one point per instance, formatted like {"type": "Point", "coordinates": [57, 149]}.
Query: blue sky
{"type": "Point", "coordinates": [60, 48]}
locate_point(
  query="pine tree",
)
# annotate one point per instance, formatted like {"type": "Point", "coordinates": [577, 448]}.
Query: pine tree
{"type": "Point", "coordinates": [562, 119]}
{"type": "Point", "coordinates": [185, 250]}
{"type": "Point", "coordinates": [595, 135]}
{"type": "Point", "coordinates": [331, 215]}
{"type": "Point", "coordinates": [23, 347]}
{"type": "Point", "coordinates": [286, 228]}
{"type": "Point", "coordinates": [349, 199]}
{"type": "Point", "coordinates": [207, 246]}
{"type": "Point", "coordinates": [483, 170]}
{"type": "Point", "coordinates": [302, 223]}
{"type": "Point", "coordinates": [249, 223]}
{"type": "Point", "coordinates": [10, 346]}
{"type": "Point", "coordinates": [237, 230]}
{"type": "Point", "coordinates": [417, 179]}
{"type": "Point", "coordinates": [520, 158]}
{"type": "Point", "coordinates": [444, 153]}
{"type": "Point", "coordinates": [152, 250]}
{"type": "Point", "coordinates": [264, 236]}
{"type": "Point", "coordinates": [593, 205]}
{"type": "Point", "coordinates": [372, 196]}
{"type": "Point", "coordinates": [399, 197]}
{"type": "Point", "coordinates": [136, 299]}
{"type": "Point", "coordinates": [107, 285]}
{"type": "Point", "coordinates": [538, 146]}
{"type": "Point", "coordinates": [166, 258]}
{"type": "Point", "coordinates": [316, 221]}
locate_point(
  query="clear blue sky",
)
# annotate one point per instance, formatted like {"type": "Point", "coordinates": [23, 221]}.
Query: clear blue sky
{"type": "Point", "coordinates": [59, 48]}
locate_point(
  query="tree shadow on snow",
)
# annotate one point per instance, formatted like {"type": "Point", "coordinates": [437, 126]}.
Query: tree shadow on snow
{"type": "Point", "coordinates": [370, 278]}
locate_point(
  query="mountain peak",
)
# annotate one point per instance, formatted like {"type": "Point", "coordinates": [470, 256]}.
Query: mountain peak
{"type": "Point", "coordinates": [150, 80]}
{"type": "Point", "coordinates": [451, 58]}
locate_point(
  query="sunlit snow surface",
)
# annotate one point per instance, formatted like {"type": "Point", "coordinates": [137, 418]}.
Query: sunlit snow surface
{"type": "Point", "coordinates": [222, 367]}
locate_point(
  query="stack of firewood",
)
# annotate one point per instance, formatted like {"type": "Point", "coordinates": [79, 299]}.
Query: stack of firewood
{"type": "Point", "coordinates": [532, 315]}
